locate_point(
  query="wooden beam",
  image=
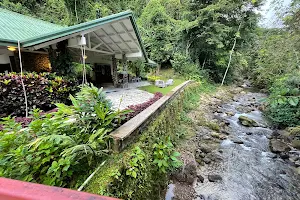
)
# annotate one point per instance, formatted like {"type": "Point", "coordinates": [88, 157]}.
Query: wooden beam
{"type": "Point", "coordinates": [129, 34]}
{"type": "Point", "coordinates": [112, 40]}
{"type": "Point", "coordinates": [98, 45]}
{"type": "Point", "coordinates": [89, 40]}
{"type": "Point", "coordinates": [94, 50]}
{"type": "Point", "coordinates": [122, 40]}
{"type": "Point", "coordinates": [107, 46]}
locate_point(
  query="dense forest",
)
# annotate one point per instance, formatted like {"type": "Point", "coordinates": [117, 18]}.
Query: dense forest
{"type": "Point", "coordinates": [203, 38]}
{"type": "Point", "coordinates": [209, 41]}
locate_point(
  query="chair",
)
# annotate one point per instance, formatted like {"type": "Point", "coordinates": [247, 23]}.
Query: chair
{"type": "Point", "coordinates": [138, 79]}
{"type": "Point", "coordinates": [169, 82]}
{"type": "Point", "coordinates": [133, 79]}
{"type": "Point", "coordinates": [160, 83]}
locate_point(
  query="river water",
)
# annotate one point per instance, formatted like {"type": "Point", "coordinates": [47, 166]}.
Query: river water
{"type": "Point", "coordinates": [249, 171]}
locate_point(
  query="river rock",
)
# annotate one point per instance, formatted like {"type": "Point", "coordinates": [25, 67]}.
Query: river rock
{"type": "Point", "coordinates": [206, 160]}
{"type": "Point", "coordinates": [296, 143]}
{"type": "Point", "coordinates": [297, 163]}
{"type": "Point", "coordinates": [297, 170]}
{"type": "Point", "coordinates": [246, 121]}
{"type": "Point", "coordinates": [214, 178]}
{"type": "Point", "coordinates": [230, 113]}
{"type": "Point", "coordinates": [236, 140]}
{"type": "Point", "coordinates": [284, 155]}
{"type": "Point", "coordinates": [205, 148]}
{"type": "Point", "coordinates": [187, 174]}
{"type": "Point", "coordinates": [200, 178]}
{"type": "Point", "coordinates": [278, 146]}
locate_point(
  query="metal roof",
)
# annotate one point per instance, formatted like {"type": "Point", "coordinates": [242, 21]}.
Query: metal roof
{"type": "Point", "coordinates": [14, 26]}
{"type": "Point", "coordinates": [115, 34]}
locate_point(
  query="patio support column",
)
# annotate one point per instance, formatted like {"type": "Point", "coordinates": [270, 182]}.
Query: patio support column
{"type": "Point", "coordinates": [125, 69]}
{"type": "Point", "coordinates": [114, 71]}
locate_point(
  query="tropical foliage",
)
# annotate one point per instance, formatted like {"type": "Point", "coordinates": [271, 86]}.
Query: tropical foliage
{"type": "Point", "coordinates": [59, 148]}
{"type": "Point", "coordinates": [200, 32]}
{"type": "Point", "coordinates": [275, 62]}
{"type": "Point", "coordinates": [42, 91]}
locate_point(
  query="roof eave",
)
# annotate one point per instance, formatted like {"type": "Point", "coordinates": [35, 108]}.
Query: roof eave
{"type": "Point", "coordinates": [5, 42]}
{"type": "Point", "coordinates": [133, 21]}
{"type": "Point", "coordinates": [74, 29]}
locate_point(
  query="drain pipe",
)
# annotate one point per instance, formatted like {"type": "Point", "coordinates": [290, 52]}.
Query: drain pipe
{"type": "Point", "coordinates": [90, 177]}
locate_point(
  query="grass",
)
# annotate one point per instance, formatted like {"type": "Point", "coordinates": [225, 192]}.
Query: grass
{"type": "Point", "coordinates": [164, 91]}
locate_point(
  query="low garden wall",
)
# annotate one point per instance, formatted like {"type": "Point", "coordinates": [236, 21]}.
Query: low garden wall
{"type": "Point", "coordinates": [126, 134]}
{"type": "Point", "coordinates": [136, 171]}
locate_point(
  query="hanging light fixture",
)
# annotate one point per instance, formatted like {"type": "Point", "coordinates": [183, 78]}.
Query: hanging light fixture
{"type": "Point", "coordinates": [11, 48]}
{"type": "Point", "coordinates": [82, 41]}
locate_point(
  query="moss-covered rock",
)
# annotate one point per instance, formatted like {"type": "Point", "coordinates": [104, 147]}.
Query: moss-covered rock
{"type": "Point", "coordinates": [294, 131]}
{"type": "Point", "coordinates": [296, 143]}
{"type": "Point", "coordinates": [246, 121]}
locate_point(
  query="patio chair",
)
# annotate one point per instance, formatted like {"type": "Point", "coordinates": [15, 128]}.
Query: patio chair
{"type": "Point", "coordinates": [160, 83]}
{"type": "Point", "coordinates": [133, 79]}
{"type": "Point", "coordinates": [169, 82]}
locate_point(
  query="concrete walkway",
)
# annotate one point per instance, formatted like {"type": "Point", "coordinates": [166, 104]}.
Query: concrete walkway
{"type": "Point", "coordinates": [124, 97]}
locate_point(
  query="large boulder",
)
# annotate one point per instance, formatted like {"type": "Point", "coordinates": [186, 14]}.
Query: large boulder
{"type": "Point", "coordinates": [246, 121]}
{"type": "Point", "coordinates": [187, 174]}
{"type": "Point", "coordinates": [296, 143]}
{"type": "Point", "coordinates": [278, 146]}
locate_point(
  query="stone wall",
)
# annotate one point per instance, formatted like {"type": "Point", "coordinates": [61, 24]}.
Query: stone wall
{"type": "Point", "coordinates": [160, 121]}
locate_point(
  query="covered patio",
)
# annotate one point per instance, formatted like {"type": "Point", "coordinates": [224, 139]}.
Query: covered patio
{"type": "Point", "coordinates": [101, 43]}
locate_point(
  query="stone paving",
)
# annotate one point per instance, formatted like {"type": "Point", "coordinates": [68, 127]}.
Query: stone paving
{"type": "Point", "coordinates": [124, 97]}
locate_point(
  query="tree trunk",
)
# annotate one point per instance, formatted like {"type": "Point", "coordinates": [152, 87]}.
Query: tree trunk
{"type": "Point", "coordinates": [230, 57]}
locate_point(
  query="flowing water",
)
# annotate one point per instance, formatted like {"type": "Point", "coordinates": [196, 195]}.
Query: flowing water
{"type": "Point", "coordinates": [249, 171]}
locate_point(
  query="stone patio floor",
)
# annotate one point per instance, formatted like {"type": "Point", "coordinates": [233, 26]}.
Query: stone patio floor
{"type": "Point", "coordinates": [124, 97]}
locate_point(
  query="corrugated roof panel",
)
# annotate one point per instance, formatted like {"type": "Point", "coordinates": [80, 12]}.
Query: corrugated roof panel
{"type": "Point", "coordinates": [14, 26]}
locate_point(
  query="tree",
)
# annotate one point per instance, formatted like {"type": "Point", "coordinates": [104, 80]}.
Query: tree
{"type": "Point", "coordinates": [157, 30]}
{"type": "Point", "coordinates": [211, 30]}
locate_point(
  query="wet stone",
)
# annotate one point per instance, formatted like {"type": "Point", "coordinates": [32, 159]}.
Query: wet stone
{"type": "Point", "coordinates": [246, 121]}
{"type": "Point", "coordinates": [205, 148]}
{"type": "Point", "coordinates": [278, 146]}
{"type": "Point", "coordinates": [236, 140]}
{"type": "Point", "coordinates": [200, 178]}
{"type": "Point", "coordinates": [214, 178]}
{"type": "Point", "coordinates": [207, 160]}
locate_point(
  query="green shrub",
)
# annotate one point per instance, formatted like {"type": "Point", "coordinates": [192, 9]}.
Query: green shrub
{"type": "Point", "coordinates": [283, 107]}
{"type": "Point", "coordinates": [78, 69]}
{"type": "Point", "coordinates": [152, 79]}
{"type": "Point", "coordinates": [63, 147]}
{"type": "Point", "coordinates": [42, 91]}
{"type": "Point", "coordinates": [183, 66]}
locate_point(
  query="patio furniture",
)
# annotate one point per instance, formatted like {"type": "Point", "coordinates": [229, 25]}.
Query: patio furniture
{"type": "Point", "coordinates": [169, 82]}
{"type": "Point", "coordinates": [138, 79]}
{"type": "Point", "coordinates": [133, 79]}
{"type": "Point", "coordinates": [160, 83]}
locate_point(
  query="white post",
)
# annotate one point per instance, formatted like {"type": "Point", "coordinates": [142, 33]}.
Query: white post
{"type": "Point", "coordinates": [25, 96]}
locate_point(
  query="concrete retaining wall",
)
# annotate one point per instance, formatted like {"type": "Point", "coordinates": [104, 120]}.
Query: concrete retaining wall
{"type": "Point", "coordinates": [126, 134]}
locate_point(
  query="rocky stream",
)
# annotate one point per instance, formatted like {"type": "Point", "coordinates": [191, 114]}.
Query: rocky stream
{"type": "Point", "coordinates": [240, 158]}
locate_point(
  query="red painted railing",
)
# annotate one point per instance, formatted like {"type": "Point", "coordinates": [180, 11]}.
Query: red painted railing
{"type": "Point", "coordinates": [19, 190]}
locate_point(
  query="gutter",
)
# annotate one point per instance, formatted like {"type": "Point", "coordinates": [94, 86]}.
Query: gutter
{"type": "Point", "coordinates": [5, 42]}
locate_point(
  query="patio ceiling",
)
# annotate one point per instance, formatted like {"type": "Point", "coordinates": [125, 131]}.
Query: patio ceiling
{"type": "Point", "coordinates": [112, 35]}
{"type": "Point", "coordinates": [116, 34]}
{"type": "Point", "coordinates": [118, 37]}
